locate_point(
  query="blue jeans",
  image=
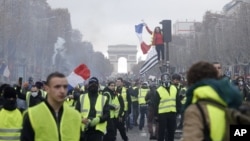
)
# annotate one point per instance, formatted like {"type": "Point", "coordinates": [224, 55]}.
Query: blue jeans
{"type": "Point", "coordinates": [143, 113]}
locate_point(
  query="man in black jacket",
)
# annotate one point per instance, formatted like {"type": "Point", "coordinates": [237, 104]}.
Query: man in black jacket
{"type": "Point", "coordinates": [94, 108]}
{"type": "Point", "coordinates": [116, 105]}
{"type": "Point", "coordinates": [121, 90]}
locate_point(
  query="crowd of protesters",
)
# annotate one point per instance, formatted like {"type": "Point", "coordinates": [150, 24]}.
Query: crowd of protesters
{"type": "Point", "coordinates": [48, 110]}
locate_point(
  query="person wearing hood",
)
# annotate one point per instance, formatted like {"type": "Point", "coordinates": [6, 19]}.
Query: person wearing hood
{"type": "Point", "coordinates": [1, 94]}
{"type": "Point", "coordinates": [10, 115]}
{"type": "Point", "coordinates": [94, 108]}
{"type": "Point", "coordinates": [205, 88]}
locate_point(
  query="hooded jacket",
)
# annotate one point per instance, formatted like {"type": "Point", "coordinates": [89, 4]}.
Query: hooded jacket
{"type": "Point", "coordinates": [220, 91]}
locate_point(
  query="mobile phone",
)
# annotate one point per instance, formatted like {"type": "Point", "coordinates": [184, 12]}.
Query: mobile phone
{"type": "Point", "coordinates": [20, 81]}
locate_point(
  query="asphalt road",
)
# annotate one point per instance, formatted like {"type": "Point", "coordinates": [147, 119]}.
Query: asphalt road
{"type": "Point", "coordinates": [136, 135]}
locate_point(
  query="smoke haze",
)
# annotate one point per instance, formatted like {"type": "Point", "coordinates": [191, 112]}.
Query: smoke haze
{"type": "Point", "coordinates": [112, 22]}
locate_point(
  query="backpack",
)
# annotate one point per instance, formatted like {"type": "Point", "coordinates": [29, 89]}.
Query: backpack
{"type": "Point", "coordinates": [240, 116]}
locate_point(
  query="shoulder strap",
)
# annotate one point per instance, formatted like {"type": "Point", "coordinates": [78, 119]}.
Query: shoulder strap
{"type": "Point", "coordinates": [206, 129]}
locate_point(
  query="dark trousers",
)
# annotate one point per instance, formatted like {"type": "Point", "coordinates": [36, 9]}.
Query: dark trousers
{"type": "Point", "coordinates": [128, 121]}
{"type": "Point", "coordinates": [135, 111]}
{"type": "Point", "coordinates": [143, 113]}
{"type": "Point", "coordinates": [151, 122]}
{"type": "Point", "coordinates": [111, 131]}
{"type": "Point", "coordinates": [180, 126]}
{"type": "Point", "coordinates": [93, 136]}
{"type": "Point", "coordinates": [160, 51]}
{"type": "Point", "coordinates": [120, 125]}
{"type": "Point", "coordinates": [167, 126]}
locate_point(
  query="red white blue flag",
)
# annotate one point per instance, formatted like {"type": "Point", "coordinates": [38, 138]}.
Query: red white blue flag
{"type": "Point", "coordinates": [78, 75]}
{"type": "Point", "coordinates": [138, 30]}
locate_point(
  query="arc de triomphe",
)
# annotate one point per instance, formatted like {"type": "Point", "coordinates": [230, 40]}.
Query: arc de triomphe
{"type": "Point", "coordinates": [127, 51]}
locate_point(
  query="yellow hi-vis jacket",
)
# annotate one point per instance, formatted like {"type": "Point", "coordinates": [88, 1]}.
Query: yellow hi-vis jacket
{"type": "Point", "coordinates": [167, 100]}
{"type": "Point", "coordinates": [142, 95]}
{"type": "Point", "coordinates": [85, 109]}
{"type": "Point", "coordinates": [28, 94]}
{"type": "Point", "coordinates": [124, 97]}
{"type": "Point", "coordinates": [44, 93]}
{"type": "Point", "coordinates": [133, 98]}
{"type": "Point", "coordinates": [70, 102]}
{"type": "Point", "coordinates": [115, 103]}
{"type": "Point", "coordinates": [183, 101]}
{"type": "Point", "coordinates": [10, 125]}
{"type": "Point", "coordinates": [46, 128]}
{"type": "Point", "coordinates": [217, 121]}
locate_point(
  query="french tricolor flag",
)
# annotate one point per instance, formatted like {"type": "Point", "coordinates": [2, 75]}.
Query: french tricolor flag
{"type": "Point", "coordinates": [78, 75]}
{"type": "Point", "coordinates": [138, 30]}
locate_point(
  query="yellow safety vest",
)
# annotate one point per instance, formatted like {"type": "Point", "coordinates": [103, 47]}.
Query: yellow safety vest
{"type": "Point", "coordinates": [85, 109]}
{"type": "Point", "coordinates": [28, 94]}
{"type": "Point", "coordinates": [115, 103]}
{"type": "Point", "coordinates": [83, 88]}
{"type": "Point", "coordinates": [124, 97]}
{"type": "Point", "coordinates": [46, 128]}
{"type": "Point", "coordinates": [183, 101]}
{"type": "Point", "coordinates": [133, 98]}
{"type": "Point", "coordinates": [10, 125]}
{"type": "Point", "coordinates": [142, 95]}
{"type": "Point", "coordinates": [70, 102]}
{"type": "Point", "coordinates": [167, 100]}
{"type": "Point", "coordinates": [110, 103]}
{"type": "Point", "coordinates": [44, 93]}
{"type": "Point", "coordinates": [217, 121]}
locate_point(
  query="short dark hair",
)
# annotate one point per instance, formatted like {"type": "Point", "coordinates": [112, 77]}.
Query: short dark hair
{"type": "Point", "coordinates": [176, 77]}
{"type": "Point", "coordinates": [52, 75]}
{"type": "Point", "coordinates": [119, 78]}
{"type": "Point", "coordinates": [201, 70]}
{"type": "Point", "coordinates": [215, 62]}
{"type": "Point", "coordinates": [111, 82]}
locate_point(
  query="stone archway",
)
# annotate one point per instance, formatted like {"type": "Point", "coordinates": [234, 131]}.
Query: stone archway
{"type": "Point", "coordinates": [127, 51]}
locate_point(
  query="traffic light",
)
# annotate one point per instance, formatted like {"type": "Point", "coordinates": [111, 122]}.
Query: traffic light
{"type": "Point", "coordinates": [167, 30]}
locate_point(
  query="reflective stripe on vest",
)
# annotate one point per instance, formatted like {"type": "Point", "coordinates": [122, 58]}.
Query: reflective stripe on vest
{"type": "Point", "coordinates": [167, 100]}
{"type": "Point", "coordinates": [10, 125]}
{"type": "Point", "coordinates": [133, 98]}
{"type": "Point", "coordinates": [124, 97]}
{"type": "Point", "coordinates": [46, 128]}
{"type": "Point", "coordinates": [44, 93]}
{"type": "Point", "coordinates": [85, 107]}
{"type": "Point", "coordinates": [142, 95]}
{"type": "Point", "coordinates": [183, 101]}
{"type": "Point", "coordinates": [28, 94]}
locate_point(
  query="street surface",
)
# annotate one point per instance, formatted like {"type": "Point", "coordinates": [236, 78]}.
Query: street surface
{"type": "Point", "coordinates": [136, 135]}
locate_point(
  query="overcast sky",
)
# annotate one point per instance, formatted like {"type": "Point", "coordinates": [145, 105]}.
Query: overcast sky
{"type": "Point", "coordinates": [111, 22]}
